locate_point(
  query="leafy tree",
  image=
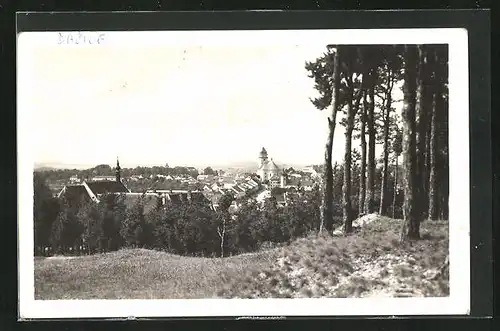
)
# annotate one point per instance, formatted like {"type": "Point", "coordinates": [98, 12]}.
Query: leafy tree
{"type": "Point", "coordinates": [114, 214]}
{"type": "Point", "coordinates": [163, 232]}
{"type": "Point", "coordinates": [277, 191]}
{"type": "Point", "coordinates": [301, 214]}
{"type": "Point", "coordinates": [102, 170]}
{"type": "Point", "coordinates": [155, 219]}
{"type": "Point", "coordinates": [132, 229]}
{"type": "Point", "coordinates": [245, 230]}
{"type": "Point", "coordinates": [326, 73]}
{"type": "Point", "coordinates": [209, 171]}
{"type": "Point", "coordinates": [67, 229]}
{"type": "Point", "coordinates": [45, 211]}
{"type": "Point", "coordinates": [90, 215]}
{"type": "Point", "coordinates": [224, 204]}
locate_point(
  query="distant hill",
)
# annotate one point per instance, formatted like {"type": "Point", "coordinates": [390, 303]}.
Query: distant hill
{"type": "Point", "coordinates": [252, 166]}
{"type": "Point", "coordinates": [57, 166]}
{"type": "Point", "coordinates": [244, 166]}
{"type": "Point", "coordinates": [42, 168]}
{"type": "Point", "coordinates": [241, 166]}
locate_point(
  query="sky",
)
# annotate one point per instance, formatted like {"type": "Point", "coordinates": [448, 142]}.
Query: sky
{"type": "Point", "coordinates": [186, 104]}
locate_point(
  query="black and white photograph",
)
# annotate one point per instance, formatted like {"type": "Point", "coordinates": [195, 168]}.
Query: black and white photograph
{"type": "Point", "coordinates": [197, 173]}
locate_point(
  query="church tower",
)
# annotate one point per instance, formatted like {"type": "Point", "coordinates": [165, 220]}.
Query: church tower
{"type": "Point", "coordinates": [262, 157]}
{"type": "Point", "coordinates": [118, 171]}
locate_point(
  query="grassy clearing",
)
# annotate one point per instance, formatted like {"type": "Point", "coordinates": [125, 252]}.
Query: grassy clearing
{"type": "Point", "coordinates": [140, 274]}
{"type": "Point", "coordinates": [371, 262]}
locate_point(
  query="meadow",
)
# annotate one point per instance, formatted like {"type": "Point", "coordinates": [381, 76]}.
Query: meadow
{"type": "Point", "coordinates": [369, 262]}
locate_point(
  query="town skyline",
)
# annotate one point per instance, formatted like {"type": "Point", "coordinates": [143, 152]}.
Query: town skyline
{"type": "Point", "coordinates": [244, 164]}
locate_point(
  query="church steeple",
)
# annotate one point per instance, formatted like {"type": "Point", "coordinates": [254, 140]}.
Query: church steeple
{"type": "Point", "coordinates": [118, 171]}
{"type": "Point", "coordinates": [262, 157]}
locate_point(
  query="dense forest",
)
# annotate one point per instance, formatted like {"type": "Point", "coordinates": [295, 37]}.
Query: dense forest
{"type": "Point", "coordinates": [356, 82]}
{"type": "Point", "coordinates": [357, 86]}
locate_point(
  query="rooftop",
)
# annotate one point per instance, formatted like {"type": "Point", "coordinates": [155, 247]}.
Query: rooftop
{"type": "Point", "coordinates": [102, 187]}
{"type": "Point", "coordinates": [270, 165]}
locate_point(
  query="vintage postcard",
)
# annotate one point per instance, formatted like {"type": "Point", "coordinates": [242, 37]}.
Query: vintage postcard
{"type": "Point", "coordinates": [243, 173]}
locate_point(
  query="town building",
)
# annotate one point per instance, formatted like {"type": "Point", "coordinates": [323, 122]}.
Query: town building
{"type": "Point", "coordinates": [94, 189]}
{"type": "Point", "coordinates": [74, 179]}
{"type": "Point", "coordinates": [311, 171]}
{"type": "Point", "coordinates": [179, 196]}
{"type": "Point", "coordinates": [267, 168]}
{"type": "Point", "coordinates": [103, 178]}
{"type": "Point", "coordinates": [294, 180]}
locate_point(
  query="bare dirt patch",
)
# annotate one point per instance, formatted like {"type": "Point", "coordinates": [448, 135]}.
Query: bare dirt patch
{"type": "Point", "coordinates": [369, 263]}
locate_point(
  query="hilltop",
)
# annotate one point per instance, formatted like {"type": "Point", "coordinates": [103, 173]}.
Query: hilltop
{"type": "Point", "coordinates": [370, 262]}
{"type": "Point", "coordinates": [140, 274]}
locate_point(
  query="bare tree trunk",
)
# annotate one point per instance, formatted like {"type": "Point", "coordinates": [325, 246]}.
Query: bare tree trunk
{"type": "Point", "coordinates": [346, 188]}
{"type": "Point", "coordinates": [395, 191]}
{"type": "Point", "coordinates": [417, 203]}
{"type": "Point", "coordinates": [385, 170]}
{"type": "Point", "coordinates": [323, 198]}
{"type": "Point", "coordinates": [422, 109]}
{"type": "Point", "coordinates": [411, 224]}
{"type": "Point", "coordinates": [433, 211]}
{"type": "Point", "coordinates": [337, 189]}
{"type": "Point", "coordinates": [428, 151]}
{"type": "Point", "coordinates": [327, 181]}
{"type": "Point", "coordinates": [327, 198]}
{"type": "Point", "coordinates": [433, 201]}
{"type": "Point", "coordinates": [221, 234]}
{"type": "Point", "coordinates": [370, 178]}
{"type": "Point", "coordinates": [362, 176]}
{"type": "Point", "coordinates": [442, 160]}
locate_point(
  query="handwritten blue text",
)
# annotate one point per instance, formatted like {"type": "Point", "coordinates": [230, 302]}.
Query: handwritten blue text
{"type": "Point", "coordinates": [80, 38]}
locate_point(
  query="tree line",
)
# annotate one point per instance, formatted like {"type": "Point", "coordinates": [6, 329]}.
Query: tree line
{"type": "Point", "coordinates": [69, 224]}
{"type": "Point", "coordinates": [357, 83]}
{"type": "Point", "coordinates": [106, 170]}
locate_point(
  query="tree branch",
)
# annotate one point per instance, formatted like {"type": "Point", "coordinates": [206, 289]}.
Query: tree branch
{"type": "Point", "coordinates": [381, 96]}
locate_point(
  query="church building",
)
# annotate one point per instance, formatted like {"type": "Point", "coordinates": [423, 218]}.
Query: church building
{"type": "Point", "coordinates": [268, 170]}
{"type": "Point", "coordinates": [93, 190]}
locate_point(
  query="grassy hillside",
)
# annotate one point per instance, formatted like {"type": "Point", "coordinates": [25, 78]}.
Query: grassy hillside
{"type": "Point", "coordinates": [367, 263]}
{"type": "Point", "coordinates": [140, 274]}
{"type": "Point", "coordinates": [370, 262]}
